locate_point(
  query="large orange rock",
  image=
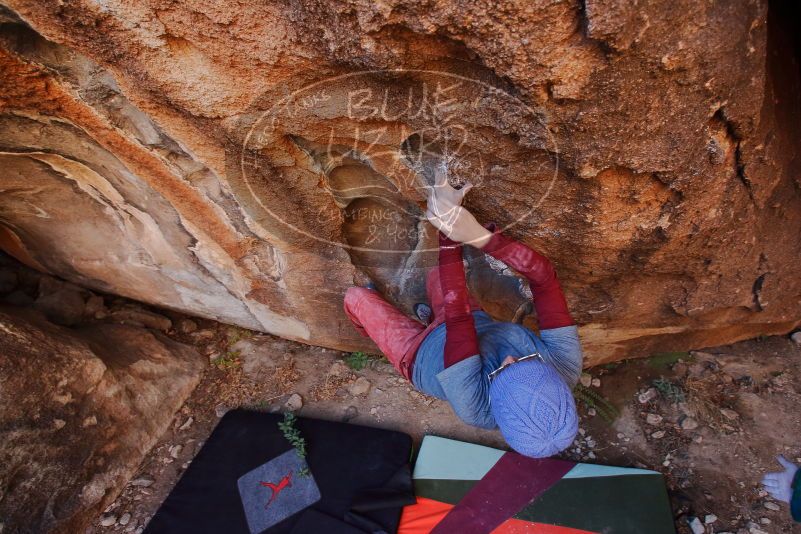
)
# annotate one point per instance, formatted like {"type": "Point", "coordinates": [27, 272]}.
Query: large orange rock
{"type": "Point", "coordinates": [248, 161]}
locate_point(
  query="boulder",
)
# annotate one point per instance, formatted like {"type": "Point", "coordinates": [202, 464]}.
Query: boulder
{"type": "Point", "coordinates": [250, 163]}
{"type": "Point", "coordinates": [80, 409]}
{"type": "Point", "coordinates": [65, 306]}
{"type": "Point", "coordinates": [94, 306]}
{"type": "Point", "coordinates": [185, 326]}
{"type": "Point", "coordinates": [139, 317]}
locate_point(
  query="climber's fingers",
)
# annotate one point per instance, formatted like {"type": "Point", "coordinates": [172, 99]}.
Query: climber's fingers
{"type": "Point", "coordinates": [448, 197]}
{"type": "Point", "coordinates": [442, 180]}
{"type": "Point", "coordinates": [787, 464]}
{"type": "Point", "coordinates": [440, 175]}
{"type": "Point", "coordinates": [771, 480]}
{"type": "Point", "coordinates": [465, 188]}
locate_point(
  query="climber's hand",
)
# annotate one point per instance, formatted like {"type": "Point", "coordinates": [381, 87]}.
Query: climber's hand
{"type": "Point", "coordinates": [445, 212]}
{"type": "Point", "coordinates": [443, 196]}
{"type": "Point", "coordinates": [780, 485]}
{"type": "Point", "coordinates": [460, 225]}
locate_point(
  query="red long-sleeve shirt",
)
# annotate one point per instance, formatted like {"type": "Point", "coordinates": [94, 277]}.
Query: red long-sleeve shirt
{"type": "Point", "coordinates": [461, 340]}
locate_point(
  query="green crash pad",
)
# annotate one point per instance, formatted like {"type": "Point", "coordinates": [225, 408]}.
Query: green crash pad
{"type": "Point", "coordinates": [590, 498]}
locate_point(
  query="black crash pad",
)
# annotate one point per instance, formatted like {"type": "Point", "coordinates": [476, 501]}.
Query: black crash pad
{"type": "Point", "coordinates": [362, 473]}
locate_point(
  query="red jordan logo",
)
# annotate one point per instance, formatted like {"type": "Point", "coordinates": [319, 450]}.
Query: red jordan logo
{"type": "Point", "coordinates": [277, 488]}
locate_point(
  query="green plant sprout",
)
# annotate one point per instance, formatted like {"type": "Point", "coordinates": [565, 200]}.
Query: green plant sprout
{"type": "Point", "coordinates": [230, 359]}
{"type": "Point", "coordinates": [236, 333]}
{"type": "Point", "coordinates": [294, 437]}
{"type": "Point", "coordinates": [357, 360]}
{"type": "Point", "coordinates": [591, 399]}
{"type": "Point", "coordinates": [670, 391]}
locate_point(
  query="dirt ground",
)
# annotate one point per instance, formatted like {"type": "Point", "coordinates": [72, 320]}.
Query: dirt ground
{"type": "Point", "coordinates": [711, 421]}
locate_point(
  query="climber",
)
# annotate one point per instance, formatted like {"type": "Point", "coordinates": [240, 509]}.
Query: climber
{"type": "Point", "coordinates": [492, 373]}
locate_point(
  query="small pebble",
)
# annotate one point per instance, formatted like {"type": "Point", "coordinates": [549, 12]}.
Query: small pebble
{"type": "Point", "coordinates": [142, 482]}
{"type": "Point", "coordinates": [186, 326]}
{"type": "Point", "coordinates": [653, 419]}
{"type": "Point", "coordinates": [586, 380]}
{"type": "Point", "coordinates": [710, 518]}
{"type": "Point", "coordinates": [731, 415]}
{"type": "Point", "coordinates": [659, 434]}
{"type": "Point", "coordinates": [108, 520]}
{"type": "Point", "coordinates": [591, 412]}
{"type": "Point", "coordinates": [771, 506]}
{"type": "Point", "coordinates": [187, 424]}
{"type": "Point", "coordinates": [59, 423]}
{"type": "Point", "coordinates": [338, 368]}
{"type": "Point", "coordinates": [596, 382]}
{"type": "Point", "coordinates": [360, 387]}
{"type": "Point", "coordinates": [203, 335]}
{"type": "Point", "coordinates": [696, 526]}
{"type": "Point", "coordinates": [125, 518]}
{"type": "Point", "coordinates": [688, 423]}
{"type": "Point", "coordinates": [294, 402]}
{"type": "Point", "coordinates": [647, 396]}
{"type": "Point", "coordinates": [89, 421]}
{"type": "Point", "coordinates": [175, 451]}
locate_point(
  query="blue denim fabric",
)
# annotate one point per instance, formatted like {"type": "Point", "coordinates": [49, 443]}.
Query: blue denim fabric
{"type": "Point", "coordinates": [466, 386]}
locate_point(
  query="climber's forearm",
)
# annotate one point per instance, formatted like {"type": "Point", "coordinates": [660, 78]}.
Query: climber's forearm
{"type": "Point", "coordinates": [549, 300]}
{"type": "Point", "coordinates": [461, 340]}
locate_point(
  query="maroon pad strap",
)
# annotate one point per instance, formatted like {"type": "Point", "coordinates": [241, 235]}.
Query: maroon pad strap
{"type": "Point", "coordinates": [512, 483]}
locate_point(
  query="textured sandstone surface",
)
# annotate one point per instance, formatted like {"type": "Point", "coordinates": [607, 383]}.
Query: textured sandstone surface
{"type": "Point", "coordinates": [248, 161]}
{"type": "Point", "coordinates": [80, 409]}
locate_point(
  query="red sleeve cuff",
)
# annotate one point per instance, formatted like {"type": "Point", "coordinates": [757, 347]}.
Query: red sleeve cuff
{"type": "Point", "coordinates": [496, 243]}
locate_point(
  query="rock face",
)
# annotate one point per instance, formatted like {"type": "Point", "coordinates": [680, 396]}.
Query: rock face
{"type": "Point", "coordinates": [248, 162]}
{"type": "Point", "coordinates": [80, 409]}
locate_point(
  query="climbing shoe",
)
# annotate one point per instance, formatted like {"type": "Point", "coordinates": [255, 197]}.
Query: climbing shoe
{"type": "Point", "coordinates": [423, 312]}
